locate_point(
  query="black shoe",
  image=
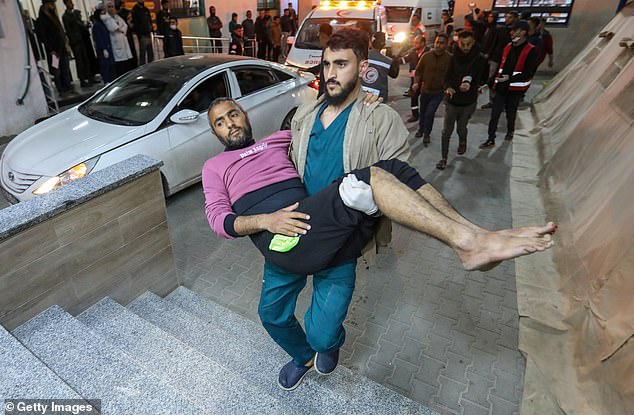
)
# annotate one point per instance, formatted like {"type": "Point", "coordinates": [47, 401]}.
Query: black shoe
{"type": "Point", "coordinates": [486, 106]}
{"type": "Point", "coordinates": [325, 363]}
{"type": "Point", "coordinates": [509, 137]}
{"type": "Point", "coordinates": [291, 375]}
{"type": "Point", "coordinates": [419, 134]}
{"type": "Point", "coordinates": [412, 118]}
{"type": "Point", "coordinates": [487, 145]}
{"type": "Point", "coordinates": [426, 140]}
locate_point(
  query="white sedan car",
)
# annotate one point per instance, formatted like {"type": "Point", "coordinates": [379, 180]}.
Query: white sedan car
{"type": "Point", "coordinates": [159, 110]}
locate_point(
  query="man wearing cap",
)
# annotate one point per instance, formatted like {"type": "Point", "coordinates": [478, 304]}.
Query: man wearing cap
{"type": "Point", "coordinates": [374, 79]}
{"type": "Point", "coordinates": [517, 68]}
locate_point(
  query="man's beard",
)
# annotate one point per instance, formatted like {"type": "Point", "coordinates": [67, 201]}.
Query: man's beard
{"type": "Point", "coordinates": [339, 98]}
{"type": "Point", "coordinates": [241, 141]}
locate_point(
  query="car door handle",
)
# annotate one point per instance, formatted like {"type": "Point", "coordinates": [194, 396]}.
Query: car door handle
{"type": "Point", "coordinates": [280, 91]}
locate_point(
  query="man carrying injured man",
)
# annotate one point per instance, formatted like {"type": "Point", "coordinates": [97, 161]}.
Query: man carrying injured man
{"type": "Point", "coordinates": [253, 189]}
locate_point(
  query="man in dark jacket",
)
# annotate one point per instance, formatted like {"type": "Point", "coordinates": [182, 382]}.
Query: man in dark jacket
{"type": "Point", "coordinates": [248, 29]}
{"type": "Point", "coordinates": [502, 38]}
{"type": "Point", "coordinates": [173, 39]}
{"type": "Point", "coordinates": [467, 72]}
{"type": "Point", "coordinates": [517, 68]}
{"type": "Point", "coordinates": [142, 26]}
{"type": "Point", "coordinates": [262, 36]}
{"type": "Point", "coordinates": [214, 24]}
{"type": "Point", "coordinates": [237, 41]}
{"type": "Point", "coordinates": [74, 27]}
{"type": "Point", "coordinates": [374, 79]}
{"type": "Point", "coordinates": [50, 32]}
{"type": "Point", "coordinates": [286, 26]}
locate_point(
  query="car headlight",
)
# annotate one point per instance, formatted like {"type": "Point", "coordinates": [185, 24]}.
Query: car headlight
{"type": "Point", "coordinates": [70, 175]}
{"type": "Point", "coordinates": [400, 37]}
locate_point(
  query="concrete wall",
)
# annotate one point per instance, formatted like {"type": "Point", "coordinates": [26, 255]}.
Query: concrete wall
{"type": "Point", "coordinates": [13, 77]}
{"type": "Point", "coordinates": [115, 245]}
{"type": "Point", "coordinates": [587, 19]}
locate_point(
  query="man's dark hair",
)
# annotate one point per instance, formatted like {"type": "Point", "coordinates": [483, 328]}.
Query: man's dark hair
{"type": "Point", "coordinates": [514, 14]}
{"type": "Point", "coordinates": [164, 2]}
{"type": "Point", "coordinates": [536, 20]}
{"type": "Point", "coordinates": [276, 17]}
{"type": "Point", "coordinates": [285, 10]}
{"type": "Point", "coordinates": [354, 39]}
{"type": "Point", "coordinates": [465, 34]}
{"type": "Point", "coordinates": [234, 15]}
{"type": "Point", "coordinates": [378, 40]}
{"type": "Point", "coordinates": [443, 35]}
{"type": "Point", "coordinates": [174, 19]}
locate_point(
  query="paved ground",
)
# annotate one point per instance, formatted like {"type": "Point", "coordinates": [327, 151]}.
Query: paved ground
{"type": "Point", "coordinates": [418, 323]}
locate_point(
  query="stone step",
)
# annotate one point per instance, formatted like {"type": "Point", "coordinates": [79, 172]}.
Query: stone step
{"type": "Point", "coordinates": [216, 314]}
{"type": "Point", "coordinates": [24, 376]}
{"type": "Point", "coordinates": [96, 369]}
{"type": "Point", "coordinates": [200, 379]}
{"type": "Point", "coordinates": [356, 393]}
{"type": "Point", "coordinates": [257, 364]}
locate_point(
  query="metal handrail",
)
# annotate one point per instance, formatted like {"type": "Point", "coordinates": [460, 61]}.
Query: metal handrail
{"type": "Point", "coordinates": [199, 46]}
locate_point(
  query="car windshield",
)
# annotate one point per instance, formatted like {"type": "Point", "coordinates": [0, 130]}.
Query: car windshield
{"type": "Point", "coordinates": [137, 97]}
{"type": "Point", "coordinates": [308, 36]}
{"type": "Point", "coordinates": [398, 14]}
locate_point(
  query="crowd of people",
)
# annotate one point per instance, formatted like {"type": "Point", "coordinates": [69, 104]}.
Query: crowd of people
{"type": "Point", "coordinates": [461, 63]}
{"type": "Point", "coordinates": [265, 38]}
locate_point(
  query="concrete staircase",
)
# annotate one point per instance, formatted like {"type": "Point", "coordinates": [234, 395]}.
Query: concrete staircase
{"type": "Point", "coordinates": [181, 354]}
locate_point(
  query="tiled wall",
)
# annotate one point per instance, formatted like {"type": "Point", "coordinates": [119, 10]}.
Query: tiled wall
{"type": "Point", "coordinates": [116, 245]}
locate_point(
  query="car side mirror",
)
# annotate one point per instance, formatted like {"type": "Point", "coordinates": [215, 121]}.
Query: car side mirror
{"type": "Point", "coordinates": [290, 40]}
{"type": "Point", "coordinates": [184, 116]}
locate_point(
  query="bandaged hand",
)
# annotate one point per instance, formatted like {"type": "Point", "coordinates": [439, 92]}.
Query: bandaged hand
{"type": "Point", "coordinates": [357, 195]}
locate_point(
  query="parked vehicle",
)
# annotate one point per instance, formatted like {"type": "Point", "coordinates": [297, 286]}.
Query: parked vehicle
{"type": "Point", "coordinates": [306, 51]}
{"type": "Point", "coordinates": [399, 14]}
{"type": "Point", "coordinates": [159, 109]}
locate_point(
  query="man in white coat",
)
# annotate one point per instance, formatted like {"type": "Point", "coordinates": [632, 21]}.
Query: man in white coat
{"type": "Point", "coordinates": [120, 47]}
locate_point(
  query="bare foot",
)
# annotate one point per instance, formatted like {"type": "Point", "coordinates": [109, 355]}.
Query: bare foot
{"type": "Point", "coordinates": [486, 250]}
{"type": "Point", "coordinates": [530, 231]}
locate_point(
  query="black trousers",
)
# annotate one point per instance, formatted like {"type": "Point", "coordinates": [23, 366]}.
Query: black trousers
{"type": "Point", "coordinates": [504, 101]}
{"type": "Point", "coordinates": [338, 232]}
{"type": "Point", "coordinates": [81, 62]}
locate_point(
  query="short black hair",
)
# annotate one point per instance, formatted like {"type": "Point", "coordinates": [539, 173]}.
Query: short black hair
{"type": "Point", "coordinates": [378, 40]}
{"type": "Point", "coordinates": [164, 1]}
{"type": "Point", "coordinates": [536, 20]}
{"type": "Point", "coordinates": [234, 15]}
{"type": "Point", "coordinates": [514, 13]}
{"type": "Point", "coordinates": [173, 18]}
{"type": "Point", "coordinates": [465, 34]}
{"type": "Point", "coordinates": [443, 35]}
{"type": "Point", "coordinates": [354, 39]}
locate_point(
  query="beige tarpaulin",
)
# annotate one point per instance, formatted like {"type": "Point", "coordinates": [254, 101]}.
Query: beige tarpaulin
{"type": "Point", "coordinates": [575, 164]}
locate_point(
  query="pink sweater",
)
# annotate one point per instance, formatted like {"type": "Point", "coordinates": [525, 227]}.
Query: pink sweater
{"type": "Point", "coordinates": [232, 174]}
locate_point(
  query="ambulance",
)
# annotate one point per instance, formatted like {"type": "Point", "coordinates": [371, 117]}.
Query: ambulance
{"type": "Point", "coordinates": [305, 53]}
{"type": "Point", "coordinates": [399, 14]}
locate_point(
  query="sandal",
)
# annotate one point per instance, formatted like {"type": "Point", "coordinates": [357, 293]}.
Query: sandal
{"type": "Point", "coordinates": [441, 164]}
{"type": "Point", "coordinates": [462, 148]}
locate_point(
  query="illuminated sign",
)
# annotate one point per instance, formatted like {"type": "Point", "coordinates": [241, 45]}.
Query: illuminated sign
{"type": "Point", "coordinates": [556, 12]}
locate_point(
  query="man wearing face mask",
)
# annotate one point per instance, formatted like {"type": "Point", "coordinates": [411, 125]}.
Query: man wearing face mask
{"type": "Point", "coordinates": [515, 73]}
{"type": "Point", "coordinates": [173, 39]}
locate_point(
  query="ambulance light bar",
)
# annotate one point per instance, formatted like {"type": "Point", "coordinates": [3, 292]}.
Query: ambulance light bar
{"type": "Point", "coordinates": [343, 4]}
